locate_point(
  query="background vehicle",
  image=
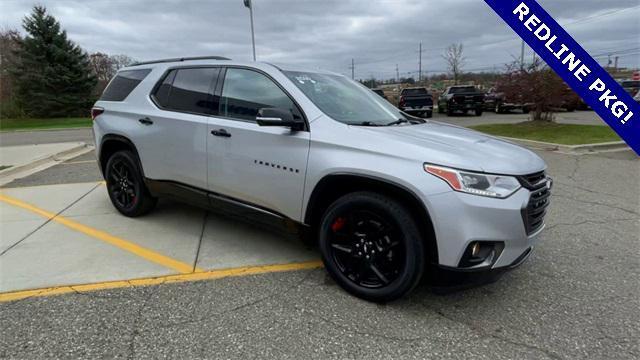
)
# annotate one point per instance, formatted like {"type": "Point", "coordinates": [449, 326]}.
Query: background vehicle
{"type": "Point", "coordinates": [379, 92]}
{"type": "Point", "coordinates": [631, 86]}
{"type": "Point", "coordinates": [381, 193]}
{"type": "Point", "coordinates": [461, 98]}
{"type": "Point", "coordinates": [499, 103]}
{"type": "Point", "coordinates": [416, 100]}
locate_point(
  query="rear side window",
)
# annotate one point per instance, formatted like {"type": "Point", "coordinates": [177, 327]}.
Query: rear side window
{"type": "Point", "coordinates": [188, 90]}
{"type": "Point", "coordinates": [123, 84]}
{"type": "Point", "coordinates": [246, 91]}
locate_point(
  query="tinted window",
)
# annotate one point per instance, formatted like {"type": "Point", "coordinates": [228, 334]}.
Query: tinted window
{"type": "Point", "coordinates": [123, 84]}
{"type": "Point", "coordinates": [245, 92]}
{"type": "Point", "coordinates": [462, 90]}
{"type": "Point", "coordinates": [414, 92]}
{"type": "Point", "coordinates": [161, 95]}
{"type": "Point", "coordinates": [191, 90]}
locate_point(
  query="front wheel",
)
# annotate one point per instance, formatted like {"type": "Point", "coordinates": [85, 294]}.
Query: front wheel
{"type": "Point", "coordinates": [371, 246]}
{"type": "Point", "coordinates": [125, 185]}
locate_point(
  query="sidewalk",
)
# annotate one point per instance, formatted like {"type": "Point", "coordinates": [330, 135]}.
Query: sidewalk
{"type": "Point", "coordinates": [22, 160]}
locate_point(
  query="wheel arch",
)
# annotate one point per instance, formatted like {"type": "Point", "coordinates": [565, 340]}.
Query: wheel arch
{"type": "Point", "coordinates": [333, 186]}
{"type": "Point", "coordinates": [112, 143]}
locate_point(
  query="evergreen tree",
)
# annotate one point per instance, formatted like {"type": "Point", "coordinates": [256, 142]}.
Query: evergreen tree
{"type": "Point", "coordinates": [53, 75]}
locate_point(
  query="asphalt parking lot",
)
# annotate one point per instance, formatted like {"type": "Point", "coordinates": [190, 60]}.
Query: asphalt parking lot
{"type": "Point", "coordinates": [79, 280]}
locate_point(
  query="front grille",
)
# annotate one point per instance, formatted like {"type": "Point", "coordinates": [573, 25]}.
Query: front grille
{"type": "Point", "coordinates": [533, 214]}
{"type": "Point", "coordinates": [532, 181]}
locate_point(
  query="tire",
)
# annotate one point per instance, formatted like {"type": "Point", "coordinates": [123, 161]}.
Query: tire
{"type": "Point", "coordinates": [371, 246]}
{"type": "Point", "coordinates": [525, 110]}
{"type": "Point", "coordinates": [429, 114]}
{"type": "Point", "coordinates": [449, 111]}
{"type": "Point", "coordinates": [478, 112]}
{"type": "Point", "coordinates": [126, 187]}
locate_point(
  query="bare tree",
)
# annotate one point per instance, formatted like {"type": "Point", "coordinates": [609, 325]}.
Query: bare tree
{"type": "Point", "coordinates": [538, 85]}
{"type": "Point", "coordinates": [9, 44]}
{"type": "Point", "coordinates": [454, 56]}
{"type": "Point", "coordinates": [119, 61]}
{"type": "Point", "coordinates": [102, 66]}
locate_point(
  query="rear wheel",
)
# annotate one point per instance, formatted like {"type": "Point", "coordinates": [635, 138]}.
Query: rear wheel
{"type": "Point", "coordinates": [125, 185]}
{"type": "Point", "coordinates": [478, 112]}
{"type": "Point", "coordinates": [371, 246]}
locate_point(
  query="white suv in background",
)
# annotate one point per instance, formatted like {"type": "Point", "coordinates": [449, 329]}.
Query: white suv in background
{"type": "Point", "coordinates": [387, 196]}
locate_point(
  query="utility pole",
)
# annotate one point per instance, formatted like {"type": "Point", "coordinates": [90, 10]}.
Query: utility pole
{"type": "Point", "coordinates": [522, 57]}
{"type": "Point", "coordinates": [615, 63]}
{"type": "Point", "coordinates": [420, 64]}
{"type": "Point", "coordinates": [248, 4]}
{"type": "Point", "coordinates": [397, 74]}
{"type": "Point", "coordinates": [353, 68]}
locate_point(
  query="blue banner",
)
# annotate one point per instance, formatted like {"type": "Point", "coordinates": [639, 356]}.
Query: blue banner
{"type": "Point", "coordinates": [569, 60]}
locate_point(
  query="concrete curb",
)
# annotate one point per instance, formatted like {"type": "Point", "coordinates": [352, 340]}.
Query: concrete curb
{"type": "Point", "coordinates": [54, 129]}
{"type": "Point", "coordinates": [22, 170]}
{"type": "Point", "coordinates": [571, 149]}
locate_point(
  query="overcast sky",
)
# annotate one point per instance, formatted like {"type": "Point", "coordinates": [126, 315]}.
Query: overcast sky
{"type": "Point", "coordinates": [378, 34]}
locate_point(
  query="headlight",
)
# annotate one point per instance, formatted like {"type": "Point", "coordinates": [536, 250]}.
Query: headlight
{"type": "Point", "coordinates": [497, 186]}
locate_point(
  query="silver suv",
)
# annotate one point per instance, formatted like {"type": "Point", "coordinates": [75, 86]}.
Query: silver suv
{"type": "Point", "coordinates": [388, 197]}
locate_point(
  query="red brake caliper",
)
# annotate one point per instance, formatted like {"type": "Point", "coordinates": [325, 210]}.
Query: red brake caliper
{"type": "Point", "coordinates": [338, 224]}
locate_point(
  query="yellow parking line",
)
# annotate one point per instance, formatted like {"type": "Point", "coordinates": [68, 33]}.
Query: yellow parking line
{"type": "Point", "coordinates": [205, 275]}
{"type": "Point", "coordinates": [135, 249]}
{"type": "Point", "coordinates": [102, 182]}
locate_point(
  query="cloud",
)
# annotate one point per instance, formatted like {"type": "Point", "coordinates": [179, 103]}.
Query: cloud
{"type": "Point", "coordinates": [377, 34]}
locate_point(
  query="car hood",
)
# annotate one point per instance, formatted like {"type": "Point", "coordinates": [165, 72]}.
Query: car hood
{"type": "Point", "coordinates": [458, 147]}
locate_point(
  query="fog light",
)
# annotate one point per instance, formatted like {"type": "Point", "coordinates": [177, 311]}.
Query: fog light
{"type": "Point", "coordinates": [475, 249]}
{"type": "Point", "coordinates": [481, 254]}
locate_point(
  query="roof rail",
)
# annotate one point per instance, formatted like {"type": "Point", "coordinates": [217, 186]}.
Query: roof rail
{"type": "Point", "coordinates": [181, 59]}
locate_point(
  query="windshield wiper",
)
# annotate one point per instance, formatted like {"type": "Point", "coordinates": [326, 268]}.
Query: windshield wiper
{"type": "Point", "coordinates": [365, 123]}
{"type": "Point", "coordinates": [397, 122]}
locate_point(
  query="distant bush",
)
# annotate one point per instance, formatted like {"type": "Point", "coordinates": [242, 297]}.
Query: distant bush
{"type": "Point", "coordinates": [9, 109]}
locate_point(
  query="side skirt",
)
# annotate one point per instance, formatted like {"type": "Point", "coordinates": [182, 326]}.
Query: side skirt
{"type": "Point", "coordinates": [227, 206]}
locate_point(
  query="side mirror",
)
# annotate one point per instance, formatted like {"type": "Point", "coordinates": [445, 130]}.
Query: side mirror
{"type": "Point", "coordinates": [278, 117]}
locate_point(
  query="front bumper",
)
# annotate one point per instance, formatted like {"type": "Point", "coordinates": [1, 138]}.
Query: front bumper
{"type": "Point", "coordinates": [461, 219]}
{"type": "Point", "coordinates": [466, 106]}
{"type": "Point", "coordinates": [409, 109]}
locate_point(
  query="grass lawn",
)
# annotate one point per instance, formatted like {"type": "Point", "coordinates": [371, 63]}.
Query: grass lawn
{"type": "Point", "coordinates": [567, 134]}
{"type": "Point", "coordinates": [54, 123]}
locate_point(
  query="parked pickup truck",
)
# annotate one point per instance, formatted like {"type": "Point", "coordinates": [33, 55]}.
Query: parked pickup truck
{"type": "Point", "coordinates": [500, 103]}
{"type": "Point", "coordinates": [461, 98]}
{"type": "Point", "coordinates": [417, 101]}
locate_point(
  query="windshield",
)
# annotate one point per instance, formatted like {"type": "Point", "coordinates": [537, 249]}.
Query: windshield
{"type": "Point", "coordinates": [345, 100]}
{"type": "Point", "coordinates": [412, 92]}
{"type": "Point", "coordinates": [462, 90]}
{"type": "Point", "coordinates": [631, 83]}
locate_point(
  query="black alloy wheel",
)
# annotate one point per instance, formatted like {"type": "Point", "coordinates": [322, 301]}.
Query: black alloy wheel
{"type": "Point", "coordinates": [371, 246]}
{"type": "Point", "coordinates": [125, 185]}
{"type": "Point", "coordinates": [366, 248]}
{"type": "Point", "coordinates": [125, 191]}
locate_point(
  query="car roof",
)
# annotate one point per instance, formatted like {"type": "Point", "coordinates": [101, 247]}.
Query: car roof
{"type": "Point", "coordinates": [203, 61]}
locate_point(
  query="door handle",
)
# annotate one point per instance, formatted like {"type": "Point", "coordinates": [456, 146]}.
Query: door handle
{"type": "Point", "coordinates": [145, 121]}
{"type": "Point", "coordinates": [220, 132]}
